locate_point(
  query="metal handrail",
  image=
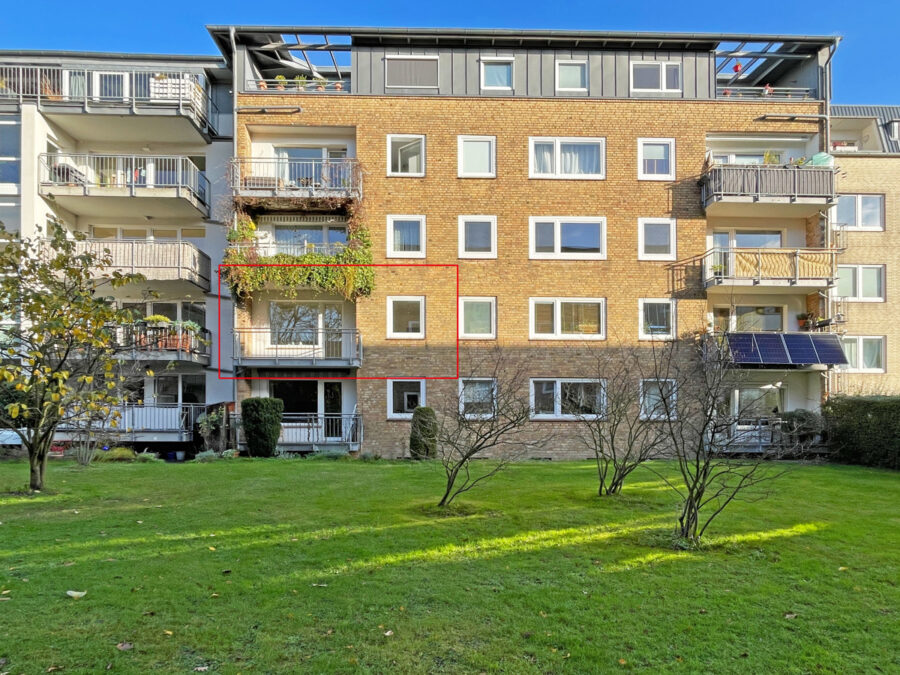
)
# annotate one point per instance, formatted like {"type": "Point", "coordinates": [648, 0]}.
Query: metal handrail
{"type": "Point", "coordinates": [761, 180]}
{"type": "Point", "coordinates": [144, 340]}
{"type": "Point", "coordinates": [725, 91]}
{"type": "Point", "coordinates": [314, 428]}
{"type": "Point", "coordinates": [270, 248]}
{"type": "Point", "coordinates": [758, 264]}
{"type": "Point", "coordinates": [136, 417]}
{"type": "Point", "coordinates": [340, 177]}
{"type": "Point", "coordinates": [295, 86]}
{"type": "Point", "coordinates": [312, 345]}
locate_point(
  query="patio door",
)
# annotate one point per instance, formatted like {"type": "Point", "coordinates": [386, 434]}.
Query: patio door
{"type": "Point", "coordinates": [332, 406]}
{"type": "Point", "coordinates": [110, 86]}
{"type": "Point", "coordinates": [306, 329]}
{"type": "Point", "coordinates": [758, 411]}
{"type": "Point", "coordinates": [312, 410]}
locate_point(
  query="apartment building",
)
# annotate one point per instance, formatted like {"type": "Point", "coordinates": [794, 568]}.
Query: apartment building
{"type": "Point", "coordinates": [132, 151]}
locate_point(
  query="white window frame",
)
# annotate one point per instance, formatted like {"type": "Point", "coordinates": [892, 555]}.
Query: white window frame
{"type": "Point", "coordinates": [460, 141]}
{"type": "Point", "coordinates": [511, 60]}
{"type": "Point", "coordinates": [673, 307]}
{"type": "Point", "coordinates": [572, 62]}
{"type": "Point", "coordinates": [463, 253]}
{"type": "Point", "coordinates": [656, 176]}
{"type": "Point", "coordinates": [857, 272]}
{"type": "Point", "coordinates": [391, 335]}
{"type": "Point", "coordinates": [659, 416]}
{"type": "Point", "coordinates": [410, 57]}
{"type": "Point", "coordinates": [391, 253]}
{"type": "Point", "coordinates": [477, 336]}
{"type": "Point", "coordinates": [859, 354]}
{"type": "Point", "coordinates": [462, 382]}
{"type": "Point", "coordinates": [557, 320]}
{"type": "Point", "coordinates": [857, 198]}
{"type": "Point", "coordinates": [557, 143]}
{"type": "Point", "coordinates": [12, 188]}
{"type": "Point", "coordinates": [392, 174]}
{"type": "Point", "coordinates": [557, 398]}
{"type": "Point", "coordinates": [662, 77]}
{"type": "Point", "coordinates": [391, 415]}
{"type": "Point", "coordinates": [557, 238]}
{"type": "Point", "coordinates": [673, 240]}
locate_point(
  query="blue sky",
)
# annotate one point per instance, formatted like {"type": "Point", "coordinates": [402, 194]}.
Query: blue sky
{"type": "Point", "coordinates": [865, 67]}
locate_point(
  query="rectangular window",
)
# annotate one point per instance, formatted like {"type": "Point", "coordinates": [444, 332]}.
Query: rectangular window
{"type": "Point", "coordinates": [859, 212]}
{"type": "Point", "coordinates": [11, 215]}
{"type": "Point", "coordinates": [566, 399]}
{"type": "Point", "coordinates": [411, 72]}
{"type": "Point", "coordinates": [656, 239]}
{"type": "Point", "coordinates": [656, 159]}
{"type": "Point", "coordinates": [567, 238]}
{"type": "Point", "coordinates": [478, 236]}
{"type": "Point", "coordinates": [478, 318]}
{"type": "Point", "coordinates": [655, 76]}
{"type": "Point", "coordinates": [657, 319]}
{"type": "Point", "coordinates": [406, 317]}
{"type": "Point", "coordinates": [298, 323]}
{"type": "Point", "coordinates": [658, 399]}
{"type": "Point", "coordinates": [10, 150]}
{"type": "Point", "coordinates": [406, 236]}
{"type": "Point", "coordinates": [497, 74]}
{"type": "Point", "coordinates": [860, 283]}
{"type": "Point", "coordinates": [865, 354]}
{"type": "Point", "coordinates": [571, 76]}
{"type": "Point", "coordinates": [567, 319]}
{"type": "Point", "coordinates": [476, 157]}
{"type": "Point", "coordinates": [406, 155]}
{"type": "Point", "coordinates": [404, 396]}
{"type": "Point", "coordinates": [768, 318]}
{"type": "Point", "coordinates": [477, 397]}
{"type": "Point", "coordinates": [572, 158]}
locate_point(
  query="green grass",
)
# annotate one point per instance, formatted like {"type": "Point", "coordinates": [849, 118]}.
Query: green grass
{"type": "Point", "coordinates": [326, 566]}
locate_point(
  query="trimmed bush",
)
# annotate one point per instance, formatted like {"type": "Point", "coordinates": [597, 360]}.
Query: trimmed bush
{"type": "Point", "coordinates": [423, 434]}
{"type": "Point", "coordinates": [119, 454]}
{"type": "Point", "coordinates": [261, 419]}
{"type": "Point", "coordinates": [147, 457]}
{"type": "Point", "coordinates": [864, 430]}
{"type": "Point", "coordinates": [206, 456]}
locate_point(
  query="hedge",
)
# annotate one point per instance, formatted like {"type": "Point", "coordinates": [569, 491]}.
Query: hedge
{"type": "Point", "coordinates": [261, 420]}
{"type": "Point", "coordinates": [864, 430]}
{"type": "Point", "coordinates": [423, 434]}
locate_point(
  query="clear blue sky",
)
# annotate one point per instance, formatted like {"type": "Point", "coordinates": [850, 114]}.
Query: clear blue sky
{"type": "Point", "coordinates": [866, 67]}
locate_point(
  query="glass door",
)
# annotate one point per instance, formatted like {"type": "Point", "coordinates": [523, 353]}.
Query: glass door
{"type": "Point", "coordinates": [720, 263]}
{"type": "Point", "coordinates": [333, 406]}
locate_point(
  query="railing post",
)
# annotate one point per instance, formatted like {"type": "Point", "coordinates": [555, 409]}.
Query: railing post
{"type": "Point", "coordinates": [797, 266]}
{"type": "Point", "coordinates": [758, 266]}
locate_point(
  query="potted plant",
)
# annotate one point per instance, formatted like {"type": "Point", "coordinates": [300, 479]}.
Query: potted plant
{"type": "Point", "coordinates": [320, 83]}
{"type": "Point", "coordinates": [718, 270]}
{"type": "Point", "coordinates": [155, 337]}
{"type": "Point", "coordinates": [338, 86]}
{"type": "Point", "coordinates": [300, 82]}
{"type": "Point", "coordinates": [262, 85]}
{"type": "Point", "coordinates": [280, 81]}
{"type": "Point", "coordinates": [802, 320]}
{"type": "Point", "coordinates": [189, 332]}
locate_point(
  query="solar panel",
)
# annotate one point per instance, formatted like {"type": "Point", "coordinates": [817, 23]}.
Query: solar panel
{"type": "Point", "coordinates": [829, 349]}
{"type": "Point", "coordinates": [743, 349]}
{"type": "Point", "coordinates": [800, 348]}
{"type": "Point", "coordinates": [771, 348]}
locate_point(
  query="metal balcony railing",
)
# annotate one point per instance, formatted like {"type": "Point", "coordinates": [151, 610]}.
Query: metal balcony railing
{"type": "Point", "coordinates": [300, 429]}
{"type": "Point", "coordinates": [297, 85]}
{"type": "Point", "coordinates": [270, 248]}
{"type": "Point", "coordinates": [759, 265]}
{"type": "Point", "coordinates": [167, 341]}
{"type": "Point", "coordinates": [133, 172]}
{"type": "Point", "coordinates": [136, 418]}
{"type": "Point", "coordinates": [297, 178]}
{"type": "Point", "coordinates": [140, 90]}
{"type": "Point", "coordinates": [793, 93]}
{"type": "Point", "coordinates": [297, 345]}
{"type": "Point", "coordinates": [760, 181]}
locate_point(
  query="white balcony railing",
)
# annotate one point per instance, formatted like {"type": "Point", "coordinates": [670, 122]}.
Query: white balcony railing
{"type": "Point", "coordinates": [297, 345]}
{"type": "Point", "coordinates": [137, 418]}
{"type": "Point", "coordinates": [309, 429]}
{"type": "Point", "coordinates": [297, 177]}
{"type": "Point", "coordinates": [759, 265]}
{"type": "Point", "coordinates": [270, 248]}
{"type": "Point", "coordinates": [298, 85]}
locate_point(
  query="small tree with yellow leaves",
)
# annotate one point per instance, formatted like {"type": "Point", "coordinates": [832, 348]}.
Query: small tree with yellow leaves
{"type": "Point", "coordinates": [61, 360]}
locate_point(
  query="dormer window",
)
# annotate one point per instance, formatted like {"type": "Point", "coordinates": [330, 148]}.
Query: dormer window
{"type": "Point", "coordinates": [655, 76]}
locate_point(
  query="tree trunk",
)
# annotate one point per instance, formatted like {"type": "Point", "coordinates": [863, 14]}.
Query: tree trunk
{"type": "Point", "coordinates": [451, 480]}
{"type": "Point", "coordinates": [38, 463]}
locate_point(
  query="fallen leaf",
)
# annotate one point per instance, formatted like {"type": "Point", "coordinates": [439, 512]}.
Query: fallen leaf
{"type": "Point", "coordinates": [842, 569]}
{"type": "Point", "coordinates": [622, 662]}
{"type": "Point", "coordinates": [388, 633]}
{"type": "Point", "coordinates": [703, 611]}
{"type": "Point", "coordinates": [140, 522]}
{"type": "Point", "coordinates": [320, 585]}
{"type": "Point", "coordinates": [76, 594]}
{"type": "Point", "coordinates": [53, 669]}
{"type": "Point", "coordinates": [214, 595]}
{"type": "Point", "coordinates": [124, 646]}
{"type": "Point", "coordinates": [201, 669]}
{"type": "Point", "coordinates": [68, 563]}
{"type": "Point", "coordinates": [4, 592]}
{"type": "Point", "coordinates": [5, 598]}
{"type": "Point", "coordinates": [168, 632]}
{"type": "Point", "coordinates": [790, 615]}
{"type": "Point", "coordinates": [212, 548]}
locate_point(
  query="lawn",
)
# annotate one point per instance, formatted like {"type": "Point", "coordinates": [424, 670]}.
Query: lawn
{"type": "Point", "coordinates": [262, 566]}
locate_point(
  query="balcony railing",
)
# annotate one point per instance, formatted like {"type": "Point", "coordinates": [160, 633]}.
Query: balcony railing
{"type": "Point", "coordinates": [137, 174]}
{"type": "Point", "coordinates": [298, 86]}
{"type": "Point", "coordinates": [297, 346]}
{"type": "Point", "coordinates": [309, 429]}
{"type": "Point", "coordinates": [156, 260]}
{"type": "Point", "coordinates": [759, 182]}
{"type": "Point", "coordinates": [792, 93]}
{"type": "Point", "coordinates": [142, 418]}
{"type": "Point", "coordinates": [310, 178]}
{"type": "Point", "coordinates": [760, 265]}
{"type": "Point", "coordinates": [163, 342]}
{"type": "Point", "coordinates": [270, 248]}
{"type": "Point", "coordinates": [139, 90]}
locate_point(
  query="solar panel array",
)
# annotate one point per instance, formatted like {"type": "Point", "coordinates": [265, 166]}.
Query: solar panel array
{"type": "Point", "coordinates": [786, 349]}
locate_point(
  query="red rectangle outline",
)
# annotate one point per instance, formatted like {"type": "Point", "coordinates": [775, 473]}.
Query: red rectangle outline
{"type": "Point", "coordinates": [219, 334]}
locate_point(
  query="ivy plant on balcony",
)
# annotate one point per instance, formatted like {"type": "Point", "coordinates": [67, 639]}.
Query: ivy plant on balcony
{"type": "Point", "coordinates": [244, 270]}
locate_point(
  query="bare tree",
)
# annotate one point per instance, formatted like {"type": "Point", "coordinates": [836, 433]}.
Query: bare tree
{"type": "Point", "coordinates": [487, 417]}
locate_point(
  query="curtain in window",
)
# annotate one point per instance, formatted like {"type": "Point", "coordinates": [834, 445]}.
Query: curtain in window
{"type": "Point", "coordinates": [543, 157]}
{"type": "Point", "coordinates": [477, 318]}
{"type": "Point", "coordinates": [406, 235]}
{"type": "Point", "coordinates": [579, 158]}
{"type": "Point", "coordinates": [871, 354]}
{"type": "Point", "coordinates": [851, 352]}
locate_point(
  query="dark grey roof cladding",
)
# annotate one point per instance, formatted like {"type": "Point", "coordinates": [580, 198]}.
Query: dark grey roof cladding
{"type": "Point", "coordinates": [883, 113]}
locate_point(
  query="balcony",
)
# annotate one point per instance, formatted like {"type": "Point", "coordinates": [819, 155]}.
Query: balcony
{"type": "Point", "coordinates": [791, 269]}
{"type": "Point", "coordinates": [306, 431]}
{"type": "Point", "coordinates": [163, 343]}
{"type": "Point", "coordinates": [298, 347]}
{"type": "Point", "coordinates": [265, 249]}
{"type": "Point", "coordinates": [296, 178]}
{"type": "Point", "coordinates": [125, 105]}
{"type": "Point", "coordinates": [766, 92]}
{"type": "Point", "coordinates": [776, 350]}
{"type": "Point", "coordinates": [158, 261]}
{"type": "Point", "coordinates": [142, 423]}
{"type": "Point", "coordinates": [762, 190]}
{"type": "Point", "coordinates": [107, 185]}
{"type": "Point", "coordinates": [297, 85]}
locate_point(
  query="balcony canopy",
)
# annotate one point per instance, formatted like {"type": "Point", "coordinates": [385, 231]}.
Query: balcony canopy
{"type": "Point", "coordinates": [785, 349]}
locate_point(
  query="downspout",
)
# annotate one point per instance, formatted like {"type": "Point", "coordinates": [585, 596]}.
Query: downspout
{"type": "Point", "coordinates": [234, 139]}
{"type": "Point", "coordinates": [829, 380]}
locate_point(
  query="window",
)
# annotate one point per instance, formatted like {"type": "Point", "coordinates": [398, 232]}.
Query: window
{"type": "Point", "coordinates": [571, 76]}
{"type": "Point", "coordinates": [298, 236]}
{"type": "Point", "coordinates": [10, 149]}
{"type": "Point", "coordinates": [656, 319]}
{"type": "Point", "coordinates": [566, 399]}
{"type": "Point", "coordinates": [570, 318]}
{"type": "Point", "coordinates": [655, 76]}
{"type": "Point", "coordinates": [478, 318]}
{"type": "Point", "coordinates": [476, 156]}
{"type": "Point", "coordinates": [861, 283]}
{"type": "Point", "coordinates": [477, 397]}
{"type": "Point", "coordinates": [567, 238]}
{"type": "Point", "coordinates": [497, 74]}
{"type": "Point", "coordinates": [406, 236]}
{"type": "Point", "coordinates": [656, 159]}
{"type": "Point", "coordinates": [10, 215]}
{"type": "Point", "coordinates": [864, 354]}
{"type": "Point", "coordinates": [657, 399]}
{"type": "Point", "coordinates": [861, 212]}
{"type": "Point", "coordinates": [411, 72]}
{"type": "Point", "coordinates": [478, 236]}
{"type": "Point", "coordinates": [406, 316]}
{"type": "Point", "coordinates": [302, 323]}
{"type": "Point", "coordinates": [656, 239]}
{"type": "Point", "coordinates": [406, 155]}
{"type": "Point", "coordinates": [404, 396]}
{"type": "Point", "coordinates": [764, 318]}
{"type": "Point", "coordinates": [574, 158]}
